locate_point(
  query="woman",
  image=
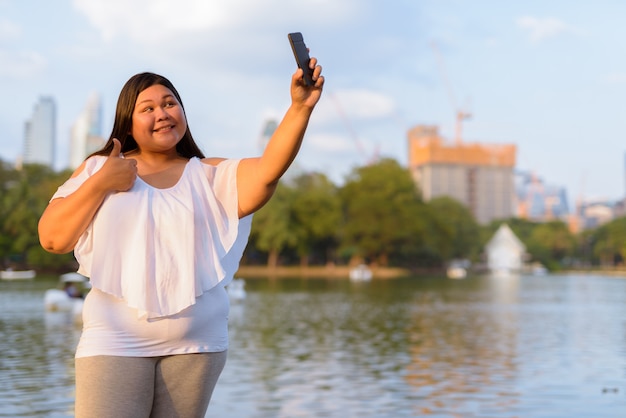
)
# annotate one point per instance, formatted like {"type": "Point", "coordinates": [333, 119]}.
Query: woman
{"type": "Point", "coordinates": [160, 230]}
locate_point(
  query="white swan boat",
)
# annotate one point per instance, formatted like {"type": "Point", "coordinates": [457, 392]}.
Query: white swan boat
{"type": "Point", "coordinates": [456, 272]}
{"type": "Point", "coordinates": [237, 289]}
{"type": "Point", "coordinates": [361, 273]}
{"type": "Point", "coordinates": [69, 296]}
{"type": "Point", "coordinates": [17, 274]}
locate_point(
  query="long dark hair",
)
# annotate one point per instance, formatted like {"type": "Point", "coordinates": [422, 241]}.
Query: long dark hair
{"type": "Point", "coordinates": [122, 125]}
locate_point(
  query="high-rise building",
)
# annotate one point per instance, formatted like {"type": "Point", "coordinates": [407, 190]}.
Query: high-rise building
{"type": "Point", "coordinates": [480, 176]}
{"type": "Point", "coordinates": [538, 201]}
{"type": "Point", "coordinates": [268, 130]}
{"type": "Point", "coordinates": [86, 135]}
{"type": "Point", "coordinates": [40, 133]}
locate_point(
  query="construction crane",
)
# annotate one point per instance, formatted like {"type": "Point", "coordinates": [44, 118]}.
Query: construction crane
{"type": "Point", "coordinates": [459, 113]}
{"type": "Point", "coordinates": [370, 159]}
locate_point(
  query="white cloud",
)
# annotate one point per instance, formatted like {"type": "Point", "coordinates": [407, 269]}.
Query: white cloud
{"type": "Point", "coordinates": [21, 64]}
{"type": "Point", "coordinates": [540, 29]}
{"type": "Point", "coordinates": [330, 143]}
{"type": "Point", "coordinates": [9, 30]}
{"type": "Point", "coordinates": [353, 105]}
{"type": "Point", "coordinates": [616, 78]}
{"type": "Point", "coordinates": [147, 21]}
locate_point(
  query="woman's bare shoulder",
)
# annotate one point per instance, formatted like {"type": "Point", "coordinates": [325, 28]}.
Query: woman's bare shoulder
{"type": "Point", "coordinates": [91, 162]}
{"type": "Point", "coordinates": [212, 160]}
{"type": "Point", "coordinates": [79, 169]}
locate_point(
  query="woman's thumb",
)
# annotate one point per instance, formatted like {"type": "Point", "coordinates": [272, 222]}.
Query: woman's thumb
{"type": "Point", "coordinates": [117, 147]}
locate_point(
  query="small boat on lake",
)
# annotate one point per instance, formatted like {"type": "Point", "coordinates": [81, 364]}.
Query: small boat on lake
{"type": "Point", "coordinates": [69, 296]}
{"type": "Point", "coordinates": [10, 274]}
{"type": "Point", "coordinates": [457, 269]}
{"type": "Point", "coordinates": [361, 273]}
{"type": "Point", "coordinates": [237, 289]}
{"type": "Point", "coordinates": [456, 272]}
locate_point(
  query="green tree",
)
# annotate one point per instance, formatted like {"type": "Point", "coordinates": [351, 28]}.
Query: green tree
{"type": "Point", "coordinates": [44, 187]}
{"type": "Point", "coordinates": [25, 194]}
{"type": "Point", "coordinates": [9, 179]}
{"type": "Point", "coordinates": [273, 225]}
{"type": "Point", "coordinates": [381, 209]}
{"type": "Point", "coordinates": [460, 233]}
{"type": "Point", "coordinates": [425, 240]}
{"type": "Point", "coordinates": [316, 214]}
{"type": "Point", "coordinates": [550, 243]}
{"type": "Point", "coordinates": [609, 242]}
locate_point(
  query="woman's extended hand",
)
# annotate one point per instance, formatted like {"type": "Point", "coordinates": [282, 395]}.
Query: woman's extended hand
{"type": "Point", "coordinates": [304, 95]}
{"type": "Point", "coordinates": [257, 177]}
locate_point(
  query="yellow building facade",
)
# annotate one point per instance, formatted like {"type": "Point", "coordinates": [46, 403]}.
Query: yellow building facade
{"type": "Point", "coordinates": [480, 176]}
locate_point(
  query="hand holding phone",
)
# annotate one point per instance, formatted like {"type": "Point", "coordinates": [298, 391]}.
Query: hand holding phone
{"type": "Point", "coordinates": [301, 54]}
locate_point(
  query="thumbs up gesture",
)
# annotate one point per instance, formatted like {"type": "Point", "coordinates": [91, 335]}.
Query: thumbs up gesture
{"type": "Point", "coordinates": [118, 173]}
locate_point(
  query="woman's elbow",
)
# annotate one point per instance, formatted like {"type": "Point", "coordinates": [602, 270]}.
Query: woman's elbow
{"type": "Point", "coordinates": [53, 247]}
{"type": "Point", "coordinates": [51, 244]}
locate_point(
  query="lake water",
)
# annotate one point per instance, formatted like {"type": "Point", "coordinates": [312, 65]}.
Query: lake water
{"type": "Point", "coordinates": [552, 346]}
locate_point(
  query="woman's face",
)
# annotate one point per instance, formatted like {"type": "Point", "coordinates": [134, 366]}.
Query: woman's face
{"type": "Point", "coordinates": [158, 122]}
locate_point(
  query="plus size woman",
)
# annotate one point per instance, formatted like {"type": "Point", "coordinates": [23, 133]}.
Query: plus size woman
{"type": "Point", "coordinates": [159, 229]}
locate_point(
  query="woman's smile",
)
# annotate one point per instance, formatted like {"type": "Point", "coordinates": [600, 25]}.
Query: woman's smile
{"type": "Point", "coordinates": [163, 129]}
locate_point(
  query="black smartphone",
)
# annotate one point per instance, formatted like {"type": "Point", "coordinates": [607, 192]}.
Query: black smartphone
{"type": "Point", "coordinates": [302, 56]}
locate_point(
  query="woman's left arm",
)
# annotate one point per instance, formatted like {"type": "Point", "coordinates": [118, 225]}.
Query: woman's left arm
{"type": "Point", "coordinates": [257, 178]}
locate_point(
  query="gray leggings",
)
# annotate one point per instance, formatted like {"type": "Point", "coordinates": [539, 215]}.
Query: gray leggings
{"type": "Point", "coordinates": [152, 387]}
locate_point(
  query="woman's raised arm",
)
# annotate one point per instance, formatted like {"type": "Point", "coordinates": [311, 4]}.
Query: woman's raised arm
{"type": "Point", "coordinates": [257, 178]}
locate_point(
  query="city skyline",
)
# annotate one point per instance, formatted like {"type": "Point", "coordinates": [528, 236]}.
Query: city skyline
{"type": "Point", "coordinates": [530, 196]}
{"type": "Point", "coordinates": [39, 142]}
{"type": "Point", "coordinates": [546, 77]}
{"type": "Point", "coordinates": [535, 198]}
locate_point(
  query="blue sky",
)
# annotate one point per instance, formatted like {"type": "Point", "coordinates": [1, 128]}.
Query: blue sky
{"type": "Point", "coordinates": [547, 76]}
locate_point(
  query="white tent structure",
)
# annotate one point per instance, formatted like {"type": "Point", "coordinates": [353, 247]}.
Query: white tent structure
{"type": "Point", "coordinates": [505, 252]}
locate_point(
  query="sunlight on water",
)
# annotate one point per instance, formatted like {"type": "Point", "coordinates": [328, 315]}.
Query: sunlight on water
{"type": "Point", "coordinates": [36, 367]}
{"type": "Point", "coordinates": [481, 347]}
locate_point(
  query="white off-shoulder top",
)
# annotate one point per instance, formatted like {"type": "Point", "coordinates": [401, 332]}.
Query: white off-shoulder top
{"type": "Point", "coordinates": [160, 249]}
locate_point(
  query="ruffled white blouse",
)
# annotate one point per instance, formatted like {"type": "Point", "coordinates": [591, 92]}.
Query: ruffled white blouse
{"type": "Point", "coordinates": [159, 249]}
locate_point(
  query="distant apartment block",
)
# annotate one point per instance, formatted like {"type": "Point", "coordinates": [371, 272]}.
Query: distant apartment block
{"type": "Point", "coordinates": [86, 135]}
{"type": "Point", "coordinates": [592, 214]}
{"type": "Point", "coordinates": [538, 201]}
{"type": "Point", "coordinates": [480, 176]}
{"type": "Point", "coordinates": [40, 133]}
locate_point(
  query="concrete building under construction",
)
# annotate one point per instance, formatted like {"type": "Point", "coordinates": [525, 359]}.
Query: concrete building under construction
{"type": "Point", "coordinates": [480, 176]}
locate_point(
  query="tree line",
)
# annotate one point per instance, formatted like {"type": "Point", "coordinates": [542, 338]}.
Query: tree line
{"type": "Point", "coordinates": [377, 216]}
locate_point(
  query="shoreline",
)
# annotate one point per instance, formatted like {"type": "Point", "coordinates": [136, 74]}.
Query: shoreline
{"type": "Point", "coordinates": [343, 272]}
{"type": "Point", "coordinates": [618, 273]}
{"type": "Point", "coordinates": [321, 272]}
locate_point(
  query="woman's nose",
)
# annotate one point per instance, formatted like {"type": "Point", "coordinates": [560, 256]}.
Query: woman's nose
{"type": "Point", "coordinates": [162, 113]}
